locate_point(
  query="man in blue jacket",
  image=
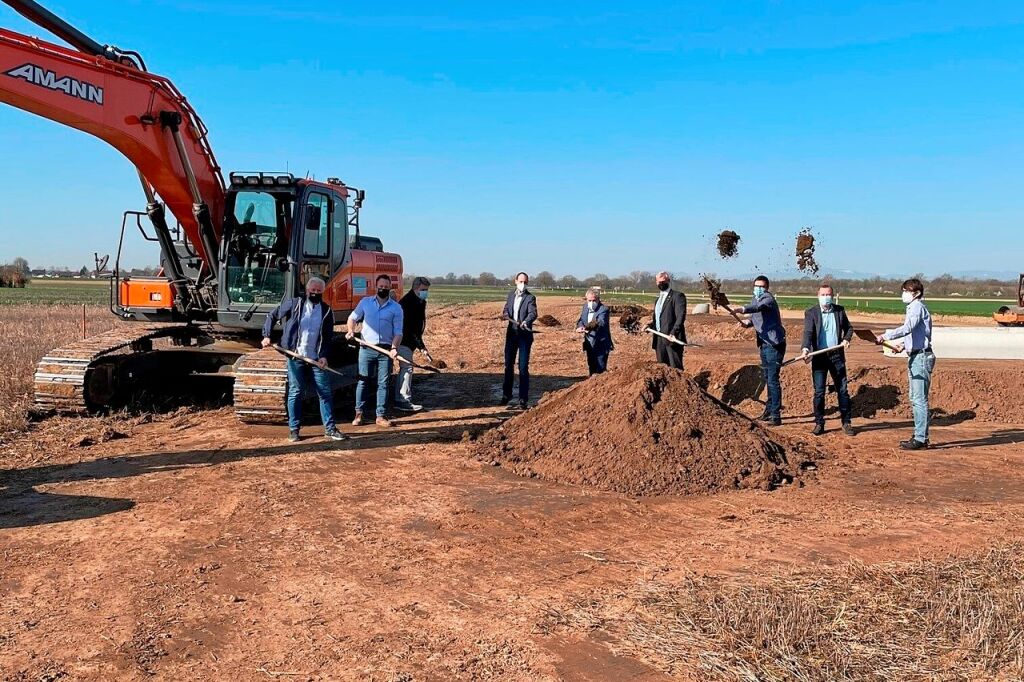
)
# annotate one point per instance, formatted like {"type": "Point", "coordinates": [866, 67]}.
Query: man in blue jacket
{"type": "Point", "coordinates": [597, 337]}
{"type": "Point", "coordinates": [520, 311]}
{"type": "Point", "coordinates": [827, 326]}
{"type": "Point", "coordinates": [766, 320]}
{"type": "Point", "coordinates": [308, 325]}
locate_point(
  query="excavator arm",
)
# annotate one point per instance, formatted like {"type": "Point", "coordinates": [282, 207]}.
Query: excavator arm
{"type": "Point", "coordinates": [140, 114]}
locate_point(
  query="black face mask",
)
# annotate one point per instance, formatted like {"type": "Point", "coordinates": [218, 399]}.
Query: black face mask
{"type": "Point", "coordinates": [663, 286]}
{"type": "Point", "coordinates": [315, 298]}
{"type": "Point", "coordinates": [383, 293]}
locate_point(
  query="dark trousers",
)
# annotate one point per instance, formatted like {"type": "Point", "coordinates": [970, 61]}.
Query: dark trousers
{"type": "Point", "coordinates": [517, 342]}
{"type": "Point", "coordinates": [771, 366]}
{"type": "Point", "coordinates": [668, 353]}
{"type": "Point", "coordinates": [822, 366]}
{"type": "Point", "coordinates": [597, 362]}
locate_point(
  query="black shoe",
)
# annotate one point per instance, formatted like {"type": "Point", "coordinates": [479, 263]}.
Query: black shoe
{"type": "Point", "coordinates": [764, 417]}
{"type": "Point", "coordinates": [818, 429]}
{"type": "Point", "coordinates": [408, 407]}
{"type": "Point", "coordinates": [335, 434]}
{"type": "Point", "coordinates": [913, 444]}
{"type": "Point", "coordinates": [505, 400]}
{"type": "Point", "coordinates": [776, 421]}
{"type": "Point", "coordinates": [848, 429]}
{"type": "Point", "coordinates": [293, 437]}
{"type": "Point", "coordinates": [523, 405]}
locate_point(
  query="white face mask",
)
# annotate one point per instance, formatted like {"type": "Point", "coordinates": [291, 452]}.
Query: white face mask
{"type": "Point", "coordinates": [907, 297]}
{"type": "Point", "coordinates": [824, 301]}
{"type": "Point", "coordinates": [592, 305]}
{"type": "Point", "coordinates": [521, 286]}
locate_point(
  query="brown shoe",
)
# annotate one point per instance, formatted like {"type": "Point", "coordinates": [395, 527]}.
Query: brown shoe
{"type": "Point", "coordinates": [358, 421]}
{"type": "Point", "coordinates": [385, 422]}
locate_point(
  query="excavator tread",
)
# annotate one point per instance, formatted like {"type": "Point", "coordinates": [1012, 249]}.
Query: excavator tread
{"type": "Point", "coordinates": [261, 379]}
{"type": "Point", "coordinates": [60, 376]}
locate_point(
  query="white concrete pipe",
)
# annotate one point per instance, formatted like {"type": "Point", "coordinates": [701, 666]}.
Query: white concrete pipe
{"type": "Point", "coordinates": [976, 343]}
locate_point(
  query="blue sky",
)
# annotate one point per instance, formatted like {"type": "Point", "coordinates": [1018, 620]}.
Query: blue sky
{"type": "Point", "coordinates": [577, 137]}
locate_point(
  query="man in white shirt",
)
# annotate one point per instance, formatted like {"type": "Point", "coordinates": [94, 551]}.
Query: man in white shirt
{"type": "Point", "coordinates": [520, 310]}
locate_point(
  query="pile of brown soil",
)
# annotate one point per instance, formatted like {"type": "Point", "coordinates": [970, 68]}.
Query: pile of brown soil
{"type": "Point", "coordinates": [548, 321]}
{"type": "Point", "coordinates": [728, 243]}
{"type": "Point", "coordinates": [710, 328]}
{"type": "Point", "coordinates": [631, 317]}
{"type": "Point", "coordinates": [645, 429]}
{"type": "Point", "coordinates": [805, 246]}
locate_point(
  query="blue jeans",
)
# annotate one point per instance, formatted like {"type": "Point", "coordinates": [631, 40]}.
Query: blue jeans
{"type": "Point", "coordinates": [919, 375]}
{"type": "Point", "coordinates": [821, 367]}
{"type": "Point", "coordinates": [373, 364]}
{"type": "Point", "coordinates": [300, 375]}
{"type": "Point", "coordinates": [517, 342]}
{"type": "Point", "coordinates": [771, 366]}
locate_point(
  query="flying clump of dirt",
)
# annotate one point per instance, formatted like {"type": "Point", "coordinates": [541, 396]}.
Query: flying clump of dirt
{"type": "Point", "coordinates": [714, 288]}
{"type": "Point", "coordinates": [805, 245]}
{"type": "Point", "coordinates": [728, 243]}
{"type": "Point", "coordinates": [548, 321]}
{"type": "Point", "coordinates": [646, 429]}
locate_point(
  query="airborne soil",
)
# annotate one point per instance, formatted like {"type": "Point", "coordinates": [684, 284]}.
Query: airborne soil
{"type": "Point", "coordinates": [189, 546]}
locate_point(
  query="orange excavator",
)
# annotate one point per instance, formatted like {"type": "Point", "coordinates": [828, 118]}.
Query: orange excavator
{"type": "Point", "coordinates": [236, 250]}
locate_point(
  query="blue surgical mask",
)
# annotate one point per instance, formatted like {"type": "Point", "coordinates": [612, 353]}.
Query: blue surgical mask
{"type": "Point", "coordinates": [825, 301]}
{"type": "Point", "coordinates": [422, 293]}
{"type": "Point", "coordinates": [758, 291]}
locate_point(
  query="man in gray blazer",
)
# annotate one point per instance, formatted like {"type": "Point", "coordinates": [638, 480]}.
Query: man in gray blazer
{"type": "Point", "coordinates": [520, 311]}
{"type": "Point", "coordinates": [826, 326]}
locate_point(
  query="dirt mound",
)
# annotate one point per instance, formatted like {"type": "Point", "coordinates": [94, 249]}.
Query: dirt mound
{"type": "Point", "coordinates": [645, 429]}
{"type": "Point", "coordinates": [805, 246]}
{"type": "Point", "coordinates": [549, 321]}
{"type": "Point", "coordinates": [708, 328]}
{"type": "Point", "coordinates": [631, 316]}
{"type": "Point", "coordinates": [728, 243]}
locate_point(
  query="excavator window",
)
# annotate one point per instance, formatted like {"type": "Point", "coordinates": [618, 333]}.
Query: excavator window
{"type": "Point", "coordinates": [316, 242]}
{"type": "Point", "coordinates": [256, 245]}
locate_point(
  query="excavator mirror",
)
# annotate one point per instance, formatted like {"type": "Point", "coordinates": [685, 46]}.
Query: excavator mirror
{"type": "Point", "coordinates": [313, 218]}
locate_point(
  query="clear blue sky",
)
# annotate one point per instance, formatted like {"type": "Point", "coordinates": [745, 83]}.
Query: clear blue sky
{"type": "Point", "coordinates": [577, 136]}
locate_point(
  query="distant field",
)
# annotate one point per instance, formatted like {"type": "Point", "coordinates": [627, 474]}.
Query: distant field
{"type": "Point", "coordinates": [96, 292]}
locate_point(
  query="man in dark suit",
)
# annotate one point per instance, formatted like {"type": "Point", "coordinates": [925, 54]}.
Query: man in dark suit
{"type": "Point", "coordinates": [520, 311]}
{"type": "Point", "coordinates": [597, 337]}
{"type": "Point", "coordinates": [669, 318]}
{"type": "Point", "coordinates": [826, 325]}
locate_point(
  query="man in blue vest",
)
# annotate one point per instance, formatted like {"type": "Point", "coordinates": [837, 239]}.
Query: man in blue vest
{"type": "Point", "coordinates": [308, 329]}
{"type": "Point", "coordinates": [597, 336]}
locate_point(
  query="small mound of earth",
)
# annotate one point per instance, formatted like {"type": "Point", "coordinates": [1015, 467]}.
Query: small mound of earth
{"type": "Point", "coordinates": [646, 429]}
{"type": "Point", "coordinates": [728, 243]}
{"type": "Point", "coordinates": [548, 321]}
{"type": "Point", "coordinates": [631, 317]}
{"type": "Point", "coordinates": [805, 246]}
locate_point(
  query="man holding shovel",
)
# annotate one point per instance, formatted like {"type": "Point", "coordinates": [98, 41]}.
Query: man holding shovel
{"type": "Point", "coordinates": [520, 311]}
{"type": "Point", "coordinates": [669, 318]}
{"type": "Point", "coordinates": [414, 310]}
{"type": "Point", "coordinates": [766, 320]}
{"type": "Point", "coordinates": [826, 326]}
{"type": "Point", "coordinates": [597, 337]}
{"type": "Point", "coordinates": [308, 329]}
{"type": "Point", "coordinates": [382, 320]}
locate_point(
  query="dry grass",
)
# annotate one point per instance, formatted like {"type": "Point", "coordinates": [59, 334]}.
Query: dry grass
{"type": "Point", "coordinates": [955, 619]}
{"type": "Point", "coordinates": [27, 332]}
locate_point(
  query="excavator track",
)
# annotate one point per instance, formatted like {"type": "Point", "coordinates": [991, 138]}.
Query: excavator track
{"type": "Point", "coordinates": [69, 380]}
{"type": "Point", "coordinates": [261, 379]}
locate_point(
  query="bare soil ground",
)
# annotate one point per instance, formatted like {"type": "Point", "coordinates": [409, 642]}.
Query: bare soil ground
{"type": "Point", "coordinates": [188, 546]}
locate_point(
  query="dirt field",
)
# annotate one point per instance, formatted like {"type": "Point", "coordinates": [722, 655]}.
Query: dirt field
{"type": "Point", "coordinates": [188, 546]}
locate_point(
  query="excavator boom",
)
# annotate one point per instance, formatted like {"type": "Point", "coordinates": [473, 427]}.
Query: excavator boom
{"type": "Point", "coordinates": [140, 114]}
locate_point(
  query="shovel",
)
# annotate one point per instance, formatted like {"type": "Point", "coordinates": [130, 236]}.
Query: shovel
{"type": "Point", "coordinates": [811, 355]}
{"type": "Point", "coordinates": [383, 351]}
{"type": "Point", "coordinates": [722, 300]}
{"type": "Point", "coordinates": [869, 335]}
{"type": "Point", "coordinates": [303, 358]}
{"type": "Point", "coordinates": [670, 338]}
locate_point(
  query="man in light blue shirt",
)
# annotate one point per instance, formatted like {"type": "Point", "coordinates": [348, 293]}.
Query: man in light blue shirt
{"type": "Point", "coordinates": [382, 319]}
{"type": "Point", "coordinates": [916, 332]}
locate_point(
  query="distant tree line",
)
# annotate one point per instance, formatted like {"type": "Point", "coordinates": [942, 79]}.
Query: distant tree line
{"type": "Point", "coordinates": [14, 274]}
{"type": "Point", "coordinates": [643, 280]}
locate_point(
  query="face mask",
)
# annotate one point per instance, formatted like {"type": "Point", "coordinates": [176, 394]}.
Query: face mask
{"type": "Point", "coordinates": [521, 286]}
{"type": "Point", "coordinates": [423, 294]}
{"type": "Point", "coordinates": [315, 298]}
{"type": "Point", "coordinates": [383, 292]}
{"type": "Point", "coordinates": [592, 305]}
{"type": "Point", "coordinates": [663, 286]}
{"type": "Point", "coordinates": [907, 297]}
{"type": "Point", "coordinates": [758, 291]}
{"type": "Point", "coordinates": [825, 301]}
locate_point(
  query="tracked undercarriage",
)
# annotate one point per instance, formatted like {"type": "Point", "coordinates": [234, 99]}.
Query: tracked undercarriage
{"type": "Point", "coordinates": [109, 369]}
